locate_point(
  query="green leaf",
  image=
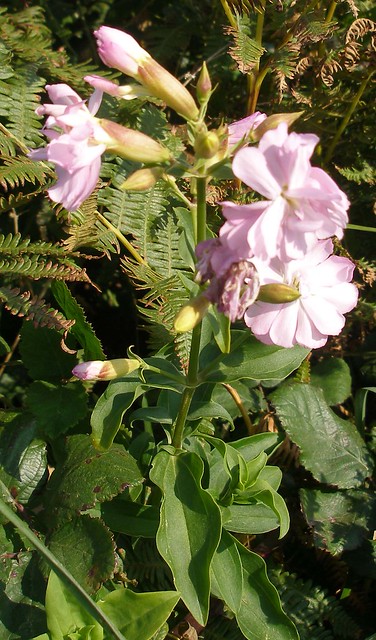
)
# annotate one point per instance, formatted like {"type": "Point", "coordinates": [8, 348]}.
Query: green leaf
{"type": "Point", "coordinates": [332, 375]}
{"type": "Point", "coordinates": [87, 476]}
{"type": "Point", "coordinates": [340, 520]}
{"type": "Point", "coordinates": [139, 615]}
{"type": "Point", "coordinates": [249, 518]}
{"type": "Point", "coordinates": [22, 590]}
{"type": "Point", "coordinates": [110, 408]}
{"type": "Point", "coordinates": [331, 448]}
{"type": "Point", "coordinates": [42, 353]}
{"type": "Point", "coordinates": [190, 527]}
{"type": "Point", "coordinates": [65, 614]}
{"type": "Point", "coordinates": [86, 547]}
{"type": "Point", "coordinates": [57, 408]}
{"type": "Point", "coordinates": [82, 329]}
{"type": "Point", "coordinates": [23, 459]}
{"type": "Point", "coordinates": [251, 359]}
{"type": "Point", "coordinates": [131, 518]}
{"type": "Point", "coordinates": [226, 573]}
{"type": "Point", "coordinates": [251, 446]}
{"type": "Point", "coordinates": [260, 616]}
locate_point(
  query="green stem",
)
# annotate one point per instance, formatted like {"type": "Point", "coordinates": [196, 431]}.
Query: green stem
{"type": "Point", "coordinates": [174, 187]}
{"type": "Point", "coordinates": [347, 117]}
{"type": "Point", "coordinates": [228, 13]}
{"type": "Point", "coordinates": [358, 227]}
{"type": "Point", "coordinates": [330, 12]}
{"type": "Point", "coordinates": [200, 235]}
{"type": "Point", "coordinates": [80, 594]}
{"type": "Point", "coordinates": [254, 82]}
{"type": "Point", "coordinates": [122, 239]}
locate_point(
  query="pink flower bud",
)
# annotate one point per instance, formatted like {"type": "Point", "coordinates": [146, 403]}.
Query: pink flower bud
{"type": "Point", "coordinates": [126, 92]}
{"type": "Point", "coordinates": [119, 50]}
{"type": "Point", "coordinates": [105, 369]}
{"type": "Point", "coordinates": [204, 85]}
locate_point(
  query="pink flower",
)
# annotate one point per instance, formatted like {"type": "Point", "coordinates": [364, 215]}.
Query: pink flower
{"type": "Point", "coordinates": [242, 129]}
{"type": "Point", "coordinates": [74, 151]}
{"type": "Point", "coordinates": [120, 50]}
{"type": "Point", "coordinates": [126, 91]}
{"type": "Point", "coordinates": [303, 203]}
{"type": "Point", "coordinates": [323, 281]}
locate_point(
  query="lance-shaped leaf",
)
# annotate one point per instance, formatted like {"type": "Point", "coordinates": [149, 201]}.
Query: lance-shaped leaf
{"type": "Point", "coordinates": [190, 526]}
{"type": "Point", "coordinates": [251, 359]}
{"type": "Point", "coordinates": [260, 616]}
{"type": "Point", "coordinates": [227, 573]}
{"type": "Point", "coordinates": [331, 448]}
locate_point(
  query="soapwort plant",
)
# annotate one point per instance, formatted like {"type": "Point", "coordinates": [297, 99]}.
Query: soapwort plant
{"type": "Point", "coordinates": [260, 292]}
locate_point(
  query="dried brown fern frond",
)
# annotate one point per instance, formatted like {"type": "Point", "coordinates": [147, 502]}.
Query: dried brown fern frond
{"type": "Point", "coordinates": [327, 71]}
{"type": "Point", "coordinates": [353, 8]}
{"type": "Point", "coordinates": [25, 305]}
{"type": "Point", "coordinates": [360, 28]}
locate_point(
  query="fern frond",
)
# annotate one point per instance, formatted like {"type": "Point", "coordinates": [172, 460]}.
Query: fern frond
{"type": "Point", "coordinates": [245, 51]}
{"type": "Point", "coordinates": [18, 101]}
{"type": "Point", "coordinates": [20, 257]}
{"type": "Point", "coordinates": [84, 229]}
{"type": "Point", "coordinates": [359, 29]}
{"type": "Point", "coordinates": [364, 173]}
{"type": "Point", "coordinates": [16, 171]}
{"type": "Point", "coordinates": [34, 309]}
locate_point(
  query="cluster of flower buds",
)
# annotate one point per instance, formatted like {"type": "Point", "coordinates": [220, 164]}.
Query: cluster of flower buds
{"type": "Point", "coordinates": [273, 263]}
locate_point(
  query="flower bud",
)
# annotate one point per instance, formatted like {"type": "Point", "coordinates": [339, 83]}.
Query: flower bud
{"type": "Point", "coordinates": [125, 91]}
{"type": "Point", "coordinates": [206, 144]}
{"type": "Point", "coordinates": [204, 85]}
{"type": "Point", "coordinates": [191, 314]}
{"type": "Point", "coordinates": [162, 84]}
{"type": "Point", "coordinates": [131, 144]}
{"type": "Point", "coordinates": [142, 179]}
{"type": "Point", "coordinates": [105, 369]}
{"type": "Point", "coordinates": [119, 50]}
{"type": "Point", "coordinates": [277, 293]}
{"type": "Point", "coordinates": [272, 122]}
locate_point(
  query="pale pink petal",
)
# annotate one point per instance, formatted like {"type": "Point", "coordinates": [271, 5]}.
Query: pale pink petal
{"type": "Point", "coordinates": [119, 50]}
{"type": "Point", "coordinates": [242, 128]}
{"type": "Point", "coordinates": [62, 94]}
{"type": "Point", "coordinates": [250, 166]}
{"type": "Point", "coordinates": [307, 334]}
{"type": "Point", "coordinates": [343, 296]}
{"type": "Point", "coordinates": [260, 317]}
{"type": "Point", "coordinates": [72, 189]}
{"type": "Point", "coordinates": [326, 318]}
{"type": "Point", "coordinates": [282, 331]}
{"type": "Point", "coordinates": [95, 101]}
{"type": "Point", "coordinates": [263, 235]}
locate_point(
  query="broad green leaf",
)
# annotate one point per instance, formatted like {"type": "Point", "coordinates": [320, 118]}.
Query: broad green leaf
{"type": "Point", "coordinates": [139, 615]}
{"type": "Point", "coordinates": [22, 589]}
{"type": "Point", "coordinates": [331, 448]}
{"type": "Point", "coordinates": [23, 458]}
{"type": "Point", "coordinates": [86, 548]}
{"type": "Point", "coordinates": [251, 359]}
{"type": "Point", "coordinates": [190, 527]}
{"type": "Point", "coordinates": [110, 408]}
{"type": "Point", "coordinates": [131, 518]}
{"type": "Point", "coordinates": [226, 573]}
{"type": "Point", "coordinates": [87, 476]}
{"type": "Point", "coordinates": [260, 616]}
{"type": "Point", "coordinates": [57, 408]}
{"type": "Point", "coordinates": [249, 518]}
{"type": "Point", "coordinates": [42, 354]}
{"type": "Point", "coordinates": [341, 519]}
{"type": "Point", "coordinates": [332, 375]}
{"type": "Point", "coordinates": [65, 615]}
{"type": "Point", "coordinates": [82, 329]}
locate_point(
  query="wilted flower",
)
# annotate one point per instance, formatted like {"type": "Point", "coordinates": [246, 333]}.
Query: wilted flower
{"type": "Point", "coordinates": [233, 282]}
{"type": "Point", "coordinates": [304, 204]}
{"type": "Point", "coordinates": [323, 282]}
{"type": "Point", "coordinates": [119, 50]}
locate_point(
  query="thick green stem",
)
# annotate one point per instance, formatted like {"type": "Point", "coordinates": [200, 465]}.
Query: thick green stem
{"type": "Point", "coordinates": [200, 235]}
{"type": "Point", "coordinates": [347, 117]}
{"type": "Point", "coordinates": [358, 227]}
{"type": "Point", "coordinates": [228, 13]}
{"type": "Point", "coordinates": [80, 594]}
{"type": "Point", "coordinates": [330, 12]}
{"type": "Point", "coordinates": [122, 239]}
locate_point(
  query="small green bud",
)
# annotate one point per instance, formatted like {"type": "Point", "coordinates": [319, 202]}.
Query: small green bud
{"type": "Point", "coordinates": [277, 293]}
{"type": "Point", "coordinates": [204, 85]}
{"type": "Point", "coordinates": [206, 144]}
{"type": "Point", "coordinates": [142, 179]}
{"type": "Point", "coordinates": [191, 314]}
